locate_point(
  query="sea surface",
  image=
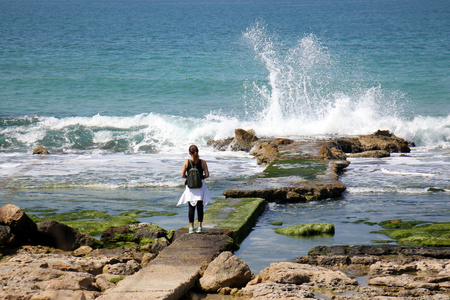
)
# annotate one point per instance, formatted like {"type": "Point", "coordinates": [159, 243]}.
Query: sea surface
{"type": "Point", "coordinates": [118, 90]}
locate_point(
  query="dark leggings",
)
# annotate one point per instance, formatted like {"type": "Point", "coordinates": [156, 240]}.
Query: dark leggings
{"type": "Point", "coordinates": [191, 213]}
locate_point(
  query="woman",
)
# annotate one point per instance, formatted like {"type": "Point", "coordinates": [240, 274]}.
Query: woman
{"type": "Point", "coordinates": [196, 197]}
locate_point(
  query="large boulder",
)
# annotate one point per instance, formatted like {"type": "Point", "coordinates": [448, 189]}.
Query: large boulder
{"type": "Point", "coordinates": [61, 236]}
{"type": "Point", "coordinates": [6, 236]}
{"type": "Point", "coordinates": [21, 226]}
{"type": "Point", "coordinates": [243, 139]}
{"type": "Point", "coordinates": [379, 140]}
{"type": "Point", "coordinates": [227, 270]}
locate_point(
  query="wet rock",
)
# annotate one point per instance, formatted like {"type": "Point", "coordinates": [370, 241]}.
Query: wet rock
{"type": "Point", "coordinates": [243, 140]}
{"type": "Point", "coordinates": [63, 237]}
{"type": "Point", "coordinates": [220, 145]}
{"type": "Point", "coordinates": [331, 153]}
{"type": "Point", "coordinates": [379, 140]}
{"type": "Point", "coordinates": [40, 150]}
{"type": "Point", "coordinates": [22, 230]}
{"type": "Point", "coordinates": [264, 152]}
{"type": "Point", "coordinates": [227, 270]}
{"type": "Point", "coordinates": [372, 153]}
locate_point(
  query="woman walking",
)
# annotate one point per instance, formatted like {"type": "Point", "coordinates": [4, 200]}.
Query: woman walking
{"type": "Point", "coordinates": [196, 197]}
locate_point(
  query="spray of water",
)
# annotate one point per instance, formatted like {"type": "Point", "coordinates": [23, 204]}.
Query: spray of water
{"type": "Point", "coordinates": [307, 93]}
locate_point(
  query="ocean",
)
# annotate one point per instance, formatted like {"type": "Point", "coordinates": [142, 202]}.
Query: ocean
{"type": "Point", "coordinates": [118, 90]}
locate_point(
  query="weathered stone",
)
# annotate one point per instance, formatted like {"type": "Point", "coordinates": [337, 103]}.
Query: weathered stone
{"type": "Point", "coordinates": [264, 152]}
{"type": "Point", "coordinates": [65, 294]}
{"type": "Point", "coordinates": [103, 281]}
{"type": "Point", "coordinates": [243, 140]}
{"type": "Point", "coordinates": [40, 150]}
{"type": "Point", "coordinates": [6, 236]}
{"type": "Point", "coordinates": [380, 140]}
{"type": "Point", "coordinates": [227, 270]}
{"type": "Point", "coordinates": [276, 291]}
{"type": "Point", "coordinates": [220, 145]}
{"type": "Point", "coordinates": [331, 153]}
{"type": "Point", "coordinates": [63, 237]}
{"type": "Point", "coordinates": [128, 268]}
{"type": "Point", "coordinates": [372, 153]}
{"type": "Point", "coordinates": [82, 251]}
{"type": "Point", "coordinates": [21, 226]}
{"type": "Point", "coordinates": [111, 232]}
{"type": "Point", "coordinates": [293, 273]}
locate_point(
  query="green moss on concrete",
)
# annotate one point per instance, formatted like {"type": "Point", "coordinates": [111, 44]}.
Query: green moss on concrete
{"type": "Point", "coordinates": [92, 222]}
{"type": "Point", "coordinates": [236, 214]}
{"type": "Point", "coordinates": [399, 224]}
{"type": "Point", "coordinates": [305, 168]}
{"type": "Point", "coordinates": [304, 230]}
{"type": "Point", "coordinates": [435, 234]}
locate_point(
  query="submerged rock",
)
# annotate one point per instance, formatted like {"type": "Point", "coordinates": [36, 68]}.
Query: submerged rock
{"type": "Point", "coordinates": [310, 229]}
{"type": "Point", "coordinates": [40, 150]}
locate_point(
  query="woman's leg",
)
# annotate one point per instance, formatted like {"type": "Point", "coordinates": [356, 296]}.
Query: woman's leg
{"type": "Point", "coordinates": [191, 215]}
{"type": "Point", "coordinates": [200, 212]}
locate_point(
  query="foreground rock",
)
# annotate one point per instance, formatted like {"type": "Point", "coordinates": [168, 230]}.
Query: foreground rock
{"type": "Point", "coordinates": [227, 270]}
{"type": "Point", "coordinates": [36, 272]}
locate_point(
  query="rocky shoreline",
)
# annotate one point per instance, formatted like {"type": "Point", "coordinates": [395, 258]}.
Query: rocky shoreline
{"type": "Point", "coordinates": [55, 261]}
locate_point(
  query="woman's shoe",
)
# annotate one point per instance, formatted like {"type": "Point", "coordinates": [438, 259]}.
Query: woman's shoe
{"type": "Point", "coordinates": [191, 229]}
{"type": "Point", "coordinates": [199, 229]}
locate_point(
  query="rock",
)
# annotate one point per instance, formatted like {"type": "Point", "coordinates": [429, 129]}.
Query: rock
{"type": "Point", "coordinates": [21, 226]}
{"type": "Point", "coordinates": [332, 153]}
{"type": "Point", "coordinates": [220, 145]}
{"type": "Point", "coordinates": [65, 294]}
{"type": "Point", "coordinates": [111, 232]}
{"type": "Point", "coordinates": [310, 229]}
{"type": "Point", "coordinates": [243, 140]}
{"type": "Point", "coordinates": [276, 291]}
{"type": "Point", "coordinates": [128, 268]}
{"type": "Point", "coordinates": [373, 153]}
{"type": "Point", "coordinates": [294, 273]}
{"type": "Point", "coordinates": [264, 152]}
{"type": "Point", "coordinates": [40, 150]}
{"type": "Point", "coordinates": [103, 281]}
{"type": "Point", "coordinates": [281, 141]}
{"type": "Point", "coordinates": [227, 270]}
{"type": "Point", "coordinates": [380, 140]}
{"type": "Point", "coordinates": [82, 251]}
{"type": "Point", "coordinates": [6, 236]}
{"type": "Point", "coordinates": [63, 237]}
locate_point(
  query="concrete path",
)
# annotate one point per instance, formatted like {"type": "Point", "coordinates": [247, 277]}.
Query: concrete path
{"type": "Point", "coordinates": [175, 270]}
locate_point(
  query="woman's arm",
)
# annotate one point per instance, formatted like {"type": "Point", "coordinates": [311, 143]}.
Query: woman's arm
{"type": "Point", "coordinates": [183, 170]}
{"type": "Point", "coordinates": [205, 169]}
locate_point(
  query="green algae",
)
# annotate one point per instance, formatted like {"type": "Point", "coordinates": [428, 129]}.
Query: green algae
{"type": "Point", "coordinates": [307, 230]}
{"type": "Point", "coordinates": [277, 223]}
{"type": "Point", "coordinates": [417, 233]}
{"type": "Point", "coordinates": [92, 222]}
{"type": "Point", "coordinates": [116, 279]}
{"type": "Point", "coordinates": [305, 168]}
{"type": "Point", "coordinates": [238, 215]}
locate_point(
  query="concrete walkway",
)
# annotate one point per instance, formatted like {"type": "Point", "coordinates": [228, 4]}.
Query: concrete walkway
{"type": "Point", "coordinates": [176, 269]}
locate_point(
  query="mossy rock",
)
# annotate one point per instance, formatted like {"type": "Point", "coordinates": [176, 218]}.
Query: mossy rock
{"type": "Point", "coordinates": [430, 234]}
{"type": "Point", "coordinates": [305, 168]}
{"type": "Point", "coordinates": [92, 222]}
{"type": "Point", "coordinates": [399, 224]}
{"type": "Point", "coordinates": [305, 230]}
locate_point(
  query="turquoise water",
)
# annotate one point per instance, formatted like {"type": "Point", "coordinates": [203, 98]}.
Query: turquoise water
{"type": "Point", "coordinates": [118, 90]}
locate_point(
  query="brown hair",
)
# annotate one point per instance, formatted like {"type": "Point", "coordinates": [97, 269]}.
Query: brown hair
{"type": "Point", "coordinates": [193, 149]}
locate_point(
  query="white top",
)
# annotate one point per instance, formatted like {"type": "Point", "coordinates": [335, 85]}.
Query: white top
{"type": "Point", "coordinates": [191, 196]}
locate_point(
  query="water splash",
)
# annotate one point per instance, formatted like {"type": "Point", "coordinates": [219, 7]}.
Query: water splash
{"type": "Point", "coordinates": [307, 92]}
